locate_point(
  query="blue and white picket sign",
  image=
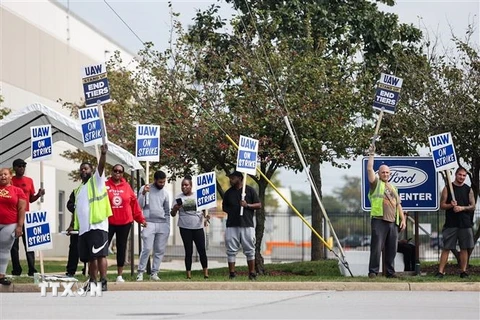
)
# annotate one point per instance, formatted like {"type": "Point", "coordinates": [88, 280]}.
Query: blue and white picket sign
{"type": "Point", "coordinates": [91, 126]}
{"type": "Point", "coordinates": [247, 155]}
{"type": "Point", "coordinates": [443, 151]}
{"type": "Point", "coordinates": [95, 84]}
{"type": "Point", "coordinates": [41, 142]}
{"type": "Point", "coordinates": [147, 142]}
{"type": "Point", "coordinates": [206, 191]}
{"type": "Point", "coordinates": [414, 177]}
{"type": "Point", "coordinates": [387, 93]}
{"type": "Point", "coordinates": [37, 227]}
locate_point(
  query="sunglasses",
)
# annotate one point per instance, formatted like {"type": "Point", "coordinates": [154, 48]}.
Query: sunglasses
{"type": "Point", "coordinates": [117, 171]}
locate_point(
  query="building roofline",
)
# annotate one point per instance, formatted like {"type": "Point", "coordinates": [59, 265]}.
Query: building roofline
{"type": "Point", "coordinates": [74, 15]}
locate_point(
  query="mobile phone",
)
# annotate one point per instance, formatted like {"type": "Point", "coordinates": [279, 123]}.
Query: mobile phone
{"type": "Point", "coordinates": [179, 201]}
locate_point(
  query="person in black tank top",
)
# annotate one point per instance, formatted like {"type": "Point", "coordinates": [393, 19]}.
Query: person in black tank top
{"type": "Point", "coordinates": [458, 221]}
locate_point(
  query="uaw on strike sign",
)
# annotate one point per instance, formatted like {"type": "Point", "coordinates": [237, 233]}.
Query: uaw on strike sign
{"type": "Point", "coordinates": [147, 146]}
{"type": "Point", "coordinates": [91, 126]}
{"type": "Point", "coordinates": [41, 142]}
{"type": "Point", "coordinates": [247, 155]}
{"type": "Point", "coordinates": [37, 227]}
{"type": "Point", "coordinates": [206, 194]}
{"type": "Point", "coordinates": [387, 93]}
{"type": "Point", "coordinates": [443, 151]}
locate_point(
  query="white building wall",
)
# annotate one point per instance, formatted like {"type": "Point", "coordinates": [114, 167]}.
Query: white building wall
{"type": "Point", "coordinates": [43, 49]}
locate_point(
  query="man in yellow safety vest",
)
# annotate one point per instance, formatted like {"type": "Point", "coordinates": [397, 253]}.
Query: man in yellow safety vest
{"type": "Point", "coordinates": [386, 217]}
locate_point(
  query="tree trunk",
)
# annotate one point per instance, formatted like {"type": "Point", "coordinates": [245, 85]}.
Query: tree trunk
{"type": "Point", "coordinates": [260, 228]}
{"type": "Point", "coordinates": [317, 217]}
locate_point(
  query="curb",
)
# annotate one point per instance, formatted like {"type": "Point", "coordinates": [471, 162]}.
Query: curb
{"type": "Point", "coordinates": [273, 286]}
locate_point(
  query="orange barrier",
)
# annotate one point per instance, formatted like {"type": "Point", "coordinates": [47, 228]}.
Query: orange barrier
{"type": "Point", "coordinates": [284, 244]}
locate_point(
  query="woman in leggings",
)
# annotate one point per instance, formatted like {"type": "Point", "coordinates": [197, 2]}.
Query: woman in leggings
{"type": "Point", "coordinates": [190, 222]}
{"type": "Point", "coordinates": [12, 216]}
{"type": "Point", "coordinates": [125, 209]}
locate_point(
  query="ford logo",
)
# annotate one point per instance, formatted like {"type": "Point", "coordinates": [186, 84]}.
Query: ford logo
{"type": "Point", "coordinates": [404, 177]}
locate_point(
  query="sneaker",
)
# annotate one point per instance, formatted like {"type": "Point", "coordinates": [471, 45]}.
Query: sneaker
{"type": "Point", "coordinates": [104, 284]}
{"type": "Point", "coordinates": [31, 273]}
{"type": "Point", "coordinates": [70, 275]}
{"type": "Point", "coordinates": [464, 275]}
{"type": "Point", "coordinates": [4, 281]}
{"type": "Point", "coordinates": [140, 276]}
{"type": "Point", "coordinates": [120, 279]}
{"type": "Point", "coordinates": [86, 287]}
{"type": "Point", "coordinates": [252, 276]}
{"type": "Point", "coordinates": [232, 275]}
{"type": "Point", "coordinates": [154, 277]}
{"type": "Point", "coordinates": [440, 275]}
{"type": "Point", "coordinates": [392, 276]}
{"type": "Point", "coordinates": [372, 275]}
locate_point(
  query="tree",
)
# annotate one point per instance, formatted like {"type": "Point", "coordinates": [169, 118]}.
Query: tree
{"type": "Point", "coordinates": [297, 58]}
{"type": "Point", "coordinates": [442, 96]}
{"type": "Point", "coordinates": [3, 111]}
{"type": "Point", "coordinates": [350, 194]}
{"type": "Point", "coordinates": [211, 83]}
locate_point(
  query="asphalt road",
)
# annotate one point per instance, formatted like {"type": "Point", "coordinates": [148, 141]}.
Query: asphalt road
{"type": "Point", "coordinates": [240, 304]}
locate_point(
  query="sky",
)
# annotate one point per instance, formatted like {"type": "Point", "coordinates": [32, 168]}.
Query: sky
{"type": "Point", "coordinates": [150, 21]}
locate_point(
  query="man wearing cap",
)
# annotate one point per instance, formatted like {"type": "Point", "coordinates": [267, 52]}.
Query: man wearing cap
{"type": "Point", "coordinates": [240, 228]}
{"type": "Point", "coordinates": [26, 184]}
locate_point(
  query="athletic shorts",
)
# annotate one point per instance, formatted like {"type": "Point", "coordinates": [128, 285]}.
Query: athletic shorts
{"type": "Point", "coordinates": [464, 236]}
{"type": "Point", "coordinates": [93, 244]}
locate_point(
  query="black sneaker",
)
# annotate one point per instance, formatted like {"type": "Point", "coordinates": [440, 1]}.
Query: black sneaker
{"type": "Point", "coordinates": [440, 275]}
{"type": "Point", "coordinates": [464, 275]}
{"type": "Point", "coordinates": [31, 273]}
{"type": "Point", "coordinates": [372, 275]}
{"type": "Point", "coordinates": [232, 275]}
{"type": "Point", "coordinates": [70, 275]}
{"type": "Point", "coordinates": [4, 281]}
{"type": "Point", "coordinates": [392, 276]}
{"type": "Point", "coordinates": [104, 285]}
{"type": "Point", "coordinates": [252, 276]}
{"type": "Point", "coordinates": [87, 288]}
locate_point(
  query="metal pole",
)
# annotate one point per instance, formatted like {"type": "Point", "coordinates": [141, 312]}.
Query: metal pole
{"type": "Point", "coordinates": [132, 233]}
{"type": "Point", "coordinates": [417, 246]}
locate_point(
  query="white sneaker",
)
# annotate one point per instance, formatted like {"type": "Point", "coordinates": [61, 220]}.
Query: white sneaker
{"type": "Point", "coordinates": [120, 279]}
{"type": "Point", "coordinates": [154, 277]}
{"type": "Point", "coordinates": [140, 276]}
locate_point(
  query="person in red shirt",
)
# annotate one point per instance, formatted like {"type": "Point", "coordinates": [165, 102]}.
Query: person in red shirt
{"type": "Point", "coordinates": [12, 216]}
{"type": "Point", "coordinates": [125, 209]}
{"type": "Point", "coordinates": [26, 184]}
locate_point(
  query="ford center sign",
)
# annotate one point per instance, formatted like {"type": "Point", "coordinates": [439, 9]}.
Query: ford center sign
{"type": "Point", "coordinates": [415, 178]}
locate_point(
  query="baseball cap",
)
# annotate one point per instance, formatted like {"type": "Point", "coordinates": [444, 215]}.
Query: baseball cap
{"type": "Point", "coordinates": [236, 174]}
{"type": "Point", "coordinates": [19, 162]}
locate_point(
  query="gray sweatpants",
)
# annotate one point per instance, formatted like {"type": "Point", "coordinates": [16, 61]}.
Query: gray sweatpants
{"type": "Point", "coordinates": [7, 237]}
{"type": "Point", "coordinates": [154, 236]}
{"type": "Point", "coordinates": [236, 236]}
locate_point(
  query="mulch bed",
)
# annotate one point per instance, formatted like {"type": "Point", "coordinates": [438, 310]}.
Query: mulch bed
{"type": "Point", "coordinates": [450, 269]}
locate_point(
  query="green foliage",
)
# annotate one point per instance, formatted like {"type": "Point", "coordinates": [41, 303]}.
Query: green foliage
{"type": "Point", "coordinates": [350, 194]}
{"type": "Point", "coordinates": [3, 111]}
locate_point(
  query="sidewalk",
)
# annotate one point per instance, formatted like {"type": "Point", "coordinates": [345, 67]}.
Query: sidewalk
{"type": "Point", "coordinates": [276, 286]}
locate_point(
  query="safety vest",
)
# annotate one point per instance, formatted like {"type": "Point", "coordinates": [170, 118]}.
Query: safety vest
{"type": "Point", "coordinates": [99, 205]}
{"type": "Point", "coordinates": [376, 200]}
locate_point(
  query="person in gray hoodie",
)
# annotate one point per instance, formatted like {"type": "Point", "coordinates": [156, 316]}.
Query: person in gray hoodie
{"type": "Point", "coordinates": [155, 235]}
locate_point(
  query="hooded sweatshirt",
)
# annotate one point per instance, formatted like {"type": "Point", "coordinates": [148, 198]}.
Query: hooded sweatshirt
{"type": "Point", "coordinates": [158, 207]}
{"type": "Point", "coordinates": [124, 203]}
